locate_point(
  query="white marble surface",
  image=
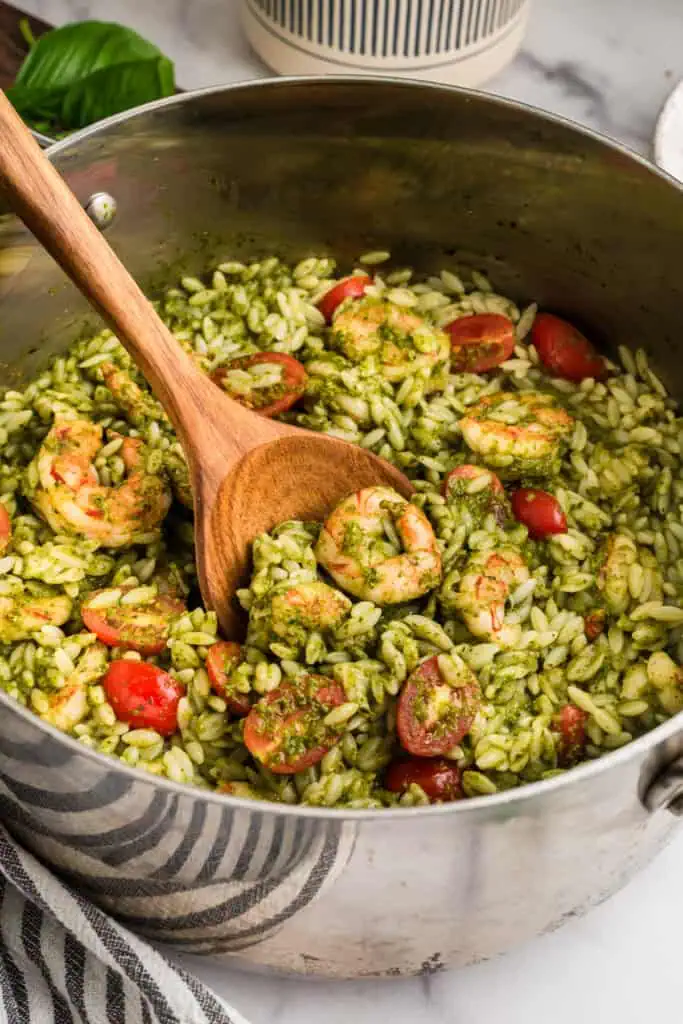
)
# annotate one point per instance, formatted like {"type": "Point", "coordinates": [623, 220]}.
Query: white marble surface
{"type": "Point", "coordinates": [608, 64]}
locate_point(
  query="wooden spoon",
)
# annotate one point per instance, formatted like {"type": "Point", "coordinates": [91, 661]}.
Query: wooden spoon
{"type": "Point", "coordinates": [248, 473]}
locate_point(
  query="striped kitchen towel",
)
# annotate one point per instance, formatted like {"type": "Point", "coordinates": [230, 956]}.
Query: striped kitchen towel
{"type": "Point", "coordinates": [63, 961]}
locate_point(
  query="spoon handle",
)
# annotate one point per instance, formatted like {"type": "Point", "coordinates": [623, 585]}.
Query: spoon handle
{"type": "Point", "coordinates": [54, 215]}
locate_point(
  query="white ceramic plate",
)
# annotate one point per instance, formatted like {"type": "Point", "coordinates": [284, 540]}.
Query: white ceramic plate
{"type": "Point", "coordinates": [669, 134]}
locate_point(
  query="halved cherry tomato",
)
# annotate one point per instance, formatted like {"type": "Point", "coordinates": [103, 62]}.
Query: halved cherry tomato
{"type": "Point", "coordinates": [350, 288]}
{"type": "Point", "coordinates": [223, 657]}
{"type": "Point", "coordinates": [439, 778]}
{"type": "Point", "coordinates": [540, 512]}
{"type": "Point", "coordinates": [594, 623]}
{"type": "Point", "coordinates": [268, 401]}
{"type": "Point", "coordinates": [433, 715]}
{"type": "Point", "coordinates": [571, 725]}
{"type": "Point", "coordinates": [480, 342]}
{"type": "Point", "coordinates": [468, 472]}
{"type": "Point", "coordinates": [136, 627]}
{"type": "Point", "coordinates": [5, 528]}
{"type": "Point", "coordinates": [564, 351]}
{"type": "Point", "coordinates": [143, 695]}
{"type": "Point", "coordinates": [286, 730]}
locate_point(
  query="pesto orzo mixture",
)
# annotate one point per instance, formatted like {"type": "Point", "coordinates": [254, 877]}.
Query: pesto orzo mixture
{"type": "Point", "coordinates": [522, 614]}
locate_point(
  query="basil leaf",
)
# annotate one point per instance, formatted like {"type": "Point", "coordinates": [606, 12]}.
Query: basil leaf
{"type": "Point", "coordinates": [111, 90]}
{"type": "Point", "coordinates": [86, 71]}
{"type": "Point", "coordinates": [69, 54]}
{"type": "Point", "coordinates": [35, 102]}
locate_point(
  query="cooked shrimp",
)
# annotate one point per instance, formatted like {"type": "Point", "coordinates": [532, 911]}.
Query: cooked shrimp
{"type": "Point", "coordinates": [138, 406]}
{"type": "Point", "coordinates": [472, 492]}
{"type": "Point", "coordinates": [71, 500]}
{"type": "Point", "coordinates": [21, 614]}
{"type": "Point", "coordinates": [141, 408]}
{"type": "Point", "coordinates": [291, 612]}
{"type": "Point", "coordinates": [69, 705]}
{"type": "Point", "coordinates": [306, 606]}
{"type": "Point", "coordinates": [403, 342]}
{"type": "Point", "coordinates": [484, 588]}
{"type": "Point", "coordinates": [358, 547]}
{"type": "Point", "coordinates": [518, 434]}
{"type": "Point", "coordinates": [618, 555]}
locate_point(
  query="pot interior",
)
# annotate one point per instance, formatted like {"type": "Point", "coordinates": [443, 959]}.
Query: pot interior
{"type": "Point", "coordinates": [439, 177]}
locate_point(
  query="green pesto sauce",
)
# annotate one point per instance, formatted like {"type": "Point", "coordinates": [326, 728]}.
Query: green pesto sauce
{"type": "Point", "coordinates": [371, 575]}
{"type": "Point", "coordinates": [390, 334]}
{"type": "Point", "coordinates": [436, 708]}
{"type": "Point", "coordinates": [354, 539]}
{"type": "Point", "coordinates": [295, 720]}
{"type": "Point", "coordinates": [478, 505]}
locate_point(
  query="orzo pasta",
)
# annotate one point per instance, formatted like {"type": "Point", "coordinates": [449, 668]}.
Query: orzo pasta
{"type": "Point", "coordinates": [522, 614]}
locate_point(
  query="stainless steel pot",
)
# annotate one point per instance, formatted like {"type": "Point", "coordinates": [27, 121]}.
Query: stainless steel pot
{"type": "Point", "coordinates": [437, 176]}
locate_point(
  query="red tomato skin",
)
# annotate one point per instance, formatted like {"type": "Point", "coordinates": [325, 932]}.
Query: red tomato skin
{"type": "Point", "coordinates": [480, 342]}
{"type": "Point", "coordinates": [5, 528]}
{"type": "Point", "coordinates": [467, 472]}
{"type": "Point", "coordinates": [238, 703]}
{"type": "Point", "coordinates": [265, 748]}
{"type": "Point", "coordinates": [143, 695]}
{"type": "Point", "coordinates": [438, 777]}
{"type": "Point", "coordinates": [349, 288]}
{"type": "Point", "coordinates": [294, 382]}
{"type": "Point", "coordinates": [570, 723]}
{"type": "Point", "coordinates": [95, 621]}
{"type": "Point", "coordinates": [539, 511]}
{"type": "Point", "coordinates": [414, 736]}
{"type": "Point", "coordinates": [109, 635]}
{"type": "Point", "coordinates": [564, 351]}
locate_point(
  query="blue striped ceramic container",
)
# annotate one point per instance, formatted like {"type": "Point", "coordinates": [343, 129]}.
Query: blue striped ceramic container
{"type": "Point", "coordinates": [462, 42]}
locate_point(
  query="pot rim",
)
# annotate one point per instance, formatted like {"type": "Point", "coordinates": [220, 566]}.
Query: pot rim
{"type": "Point", "coordinates": [338, 81]}
{"type": "Point", "coordinates": [470, 806]}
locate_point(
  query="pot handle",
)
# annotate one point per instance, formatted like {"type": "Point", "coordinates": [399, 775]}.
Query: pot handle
{"type": "Point", "coordinates": [665, 792]}
{"type": "Point", "coordinates": [44, 141]}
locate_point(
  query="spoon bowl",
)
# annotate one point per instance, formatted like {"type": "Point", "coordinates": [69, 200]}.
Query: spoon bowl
{"type": "Point", "coordinates": [248, 473]}
{"type": "Point", "coordinates": [275, 482]}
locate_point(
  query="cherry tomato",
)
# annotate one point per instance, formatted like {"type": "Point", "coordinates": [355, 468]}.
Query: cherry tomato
{"type": "Point", "coordinates": [143, 695]}
{"type": "Point", "coordinates": [570, 723]}
{"type": "Point", "coordinates": [468, 472]}
{"type": "Point", "coordinates": [594, 623]}
{"type": "Point", "coordinates": [5, 528]}
{"type": "Point", "coordinates": [267, 401]}
{"type": "Point", "coordinates": [480, 342]}
{"type": "Point", "coordinates": [222, 659]}
{"type": "Point", "coordinates": [286, 730]}
{"type": "Point", "coordinates": [433, 715]}
{"type": "Point", "coordinates": [540, 512]}
{"type": "Point", "coordinates": [136, 627]}
{"type": "Point", "coordinates": [564, 351]}
{"type": "Point", "coordinates": [350, 288]}
{"type": "Point", "coordinates": [439, 778]}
